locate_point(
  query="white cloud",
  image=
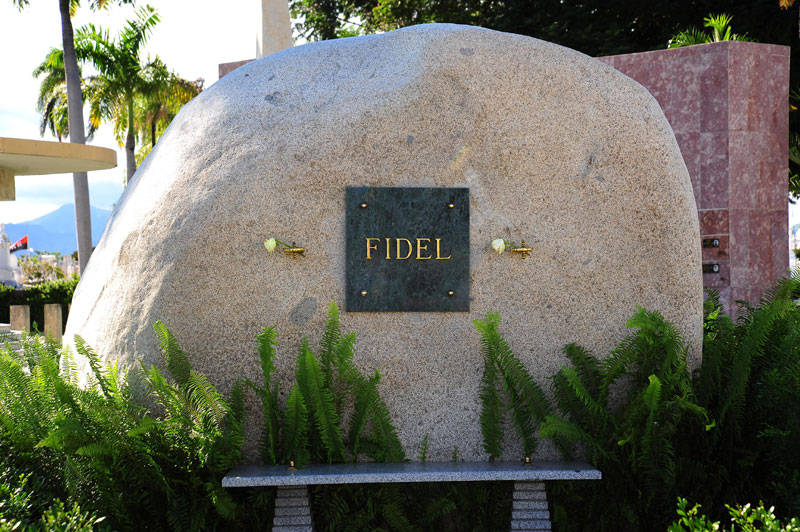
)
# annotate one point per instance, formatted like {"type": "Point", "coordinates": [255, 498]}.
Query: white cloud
{"type": "Point", "coordinates": [21, 211]}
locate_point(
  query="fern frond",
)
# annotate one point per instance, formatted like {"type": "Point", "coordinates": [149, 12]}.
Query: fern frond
{"type": "Point", "coordinates": [526, 399]}
{"type": "Point", "coordinates": [95, 450]}
{"type": "Point", "coordinates": [206, 399]}
{"type": "Point", "coordinates": [145, 425]}
{"type": "Point", "coordinates": [267, 339]}
{"type": "Point", "coordinates": [330, 339]}
{"type": "Point", "coordinates": [652, 394]}
{"type": "Point", "coordinates": [95, 364]}
{"type": "Point", "coordinates": [594, 408]}
{"type": "Point", "coordinates": [384, 432]}
{"type": "Point", "coordinates": [177, 363]}
{"type": "Point", "coordinates": [365, 393]}
{"type": "Point", "coordinates": [295, 429]}
{"type": "Point", "coordinates": [557, 427]}
{"type": "Point", "coordinates": [423, 450]}
{"type": "Point", "coordinates": [320, 403]}
{"type": "Point", "coordinates": [491, 417]}
{"type": "Point", "coordinates": [391, 508]}
{"type": "Point", "coordinates": [588, 367]}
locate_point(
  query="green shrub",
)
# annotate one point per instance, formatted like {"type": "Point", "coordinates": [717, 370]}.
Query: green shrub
{"type": "Point", "coordinates": [743, 518]}
{"type": "Point", "coordinates": [328, 390]}
{"type": "Point", "coordinates": [507, 387]}
{"type": "Point", "coordinates": [23, 507]}
{"type": "Point", "coordinates": [627, 414]}
{"type": "Point", "coordinates": [95, 447]}
{"type": "Point", "coordinates": [37, 296]}
{"type": "Point", "coordinates": [729, 431]}
{"type": "Point", "coordinates": [749, 382]}
{"type": "Point", "coordinates": [101, 452]}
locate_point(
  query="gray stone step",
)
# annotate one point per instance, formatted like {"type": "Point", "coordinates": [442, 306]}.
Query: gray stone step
{"type": "Point", "coordinates": [530, 495]}
{"type": "Point", "coordinates": [530, 514]}
{"type": "Point", "coordinates": [529, 486]}
{"type": "Point", "coordinates": [530, 505]}
{"type": "Point", "coordinates": [530, 524]}
{"type": "Point", "coordinates": [292, 492]}
{"type": "Point", "coordinates": [293, 528]}
{"type": "Point", "coordinates": [294, 501]}
{"type": "Point", "coordinates": [292, 510]}
{"type": "Point", "coordinates": [291, 520]}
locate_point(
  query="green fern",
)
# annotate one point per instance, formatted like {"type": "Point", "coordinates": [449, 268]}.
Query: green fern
{"type": "Point", "coordinates": [525, 399]}
{"type": "Point", "coordinates": [423, 450]}
{"type": "Point", "coordinates": [491, 417]}
{"type": "Point", "coordinates": [267, 340]}
{"type": "Point", "coordinates": [320, 403]}
{"type": "Point", "coordinates": [629, 432]}
{"type": "Point", "coordinates": [295, 429]}
{"type": "Point", "coordinates": [330, 341]}
{"type": "Point", "coordinates": [177, 363]}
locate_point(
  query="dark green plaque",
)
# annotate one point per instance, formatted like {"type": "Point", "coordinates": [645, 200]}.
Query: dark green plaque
{"type": "Point", "coordinates": [407, 249]}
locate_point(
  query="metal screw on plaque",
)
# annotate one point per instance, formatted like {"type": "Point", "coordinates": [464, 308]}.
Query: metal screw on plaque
{"type": "Point", "coordinates": [450, 293]}
{"type": "Point", "coordinates": [450, 205]}
{"type": "Point", "coordinates": [363, 205]}
{"type": "Point", "coordinates": [363, 292]}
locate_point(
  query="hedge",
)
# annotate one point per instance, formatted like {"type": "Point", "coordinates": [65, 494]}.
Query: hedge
{"type": "Point", "coordinates": [37, 296]}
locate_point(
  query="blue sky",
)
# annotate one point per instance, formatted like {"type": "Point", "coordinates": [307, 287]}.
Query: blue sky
{"type": "Point", "coordinates": [192, 38]}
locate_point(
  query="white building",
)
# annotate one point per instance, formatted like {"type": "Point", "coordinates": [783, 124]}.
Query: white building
{"type": "Point", "coordinates": [9, 269]}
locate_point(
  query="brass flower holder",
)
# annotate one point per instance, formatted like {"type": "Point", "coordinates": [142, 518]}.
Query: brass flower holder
{"type": "Point", "coordinates": [294, 250]}
{"type": "Point", "coordinates": [522, 250]}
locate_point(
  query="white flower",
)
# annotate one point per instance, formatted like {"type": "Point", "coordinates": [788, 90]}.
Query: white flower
{"type": "Point", "coordinates": [270, 244]}
{"type": "Point", "coordinates": [499, 245]}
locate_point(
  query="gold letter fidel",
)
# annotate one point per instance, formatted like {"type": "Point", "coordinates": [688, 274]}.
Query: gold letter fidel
{"type": "Point", "coordinates": [438, 253]}
{"type": "Point", "coordinates": [421, 248]}
{"type": "Point", "coordinates": [370, 248]}
{"type": "Point", "coordinates": [410, 248]}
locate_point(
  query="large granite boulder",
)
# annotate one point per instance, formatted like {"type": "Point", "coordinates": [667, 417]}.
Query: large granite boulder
{"type": "Point", "coordinates": [555, 147]}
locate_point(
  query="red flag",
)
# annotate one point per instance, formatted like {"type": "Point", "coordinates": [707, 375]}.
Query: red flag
{"type": "Point", "coordinates": [22, 243]}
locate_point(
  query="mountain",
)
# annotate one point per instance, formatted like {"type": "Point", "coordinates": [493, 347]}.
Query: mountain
{"type": "Point", "coordinates": [55, 231]}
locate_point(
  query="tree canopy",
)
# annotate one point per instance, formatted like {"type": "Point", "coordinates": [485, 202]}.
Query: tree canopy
{"type": "Point", "coordinates": [595, 27]}
{"type": "Point", "coordinates": [133, 93]}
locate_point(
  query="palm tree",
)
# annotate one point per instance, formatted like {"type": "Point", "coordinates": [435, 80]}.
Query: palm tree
{"type": "Point", "coordinates": [83, 221]}
{"type": "Point", "coordinates": [52, 102]}
{"type": "Point", "coordinates": [122, 76]}
{"type": "Point", "coordinates": [720, 31]}
{"type": "Point", "coordinates": [163, 96]}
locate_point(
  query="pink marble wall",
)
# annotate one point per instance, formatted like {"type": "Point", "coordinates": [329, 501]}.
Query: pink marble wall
{"type": "Point", "coordinates": [227, 68]}
{"type": "Point", "coordinates": [728, 104]}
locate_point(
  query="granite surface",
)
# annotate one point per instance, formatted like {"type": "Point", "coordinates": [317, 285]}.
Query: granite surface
{"type": "Point", "coordinates": [556, 148]}
{"type": "Point", "coordinates": [380, 473]}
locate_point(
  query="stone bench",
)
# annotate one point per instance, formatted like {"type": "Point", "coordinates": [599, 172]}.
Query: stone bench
{"type": "Point", "coordinates": [293, 511]}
